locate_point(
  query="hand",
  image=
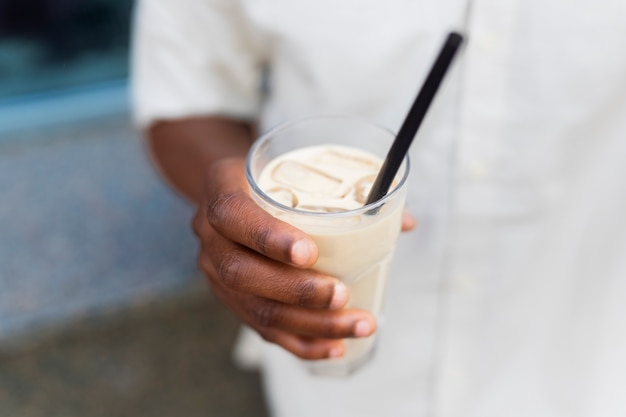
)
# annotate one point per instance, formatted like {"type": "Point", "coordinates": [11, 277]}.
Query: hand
{"type": "Point", "coordinates": [259, 266]}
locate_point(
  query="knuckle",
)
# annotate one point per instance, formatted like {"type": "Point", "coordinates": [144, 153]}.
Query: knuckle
{"type": "Point", "coordinates": [261, 235]}
{"type": "Point", "coordinates": [265, 316]}
{"type": "Point", "coordinates": [220, 203]}
{"type": "Point", "coordinates": [306, 292]}
{"type": "Point", "coordinates": [231, 209]}
{"type": "Point", "coordinates": [230, 268]}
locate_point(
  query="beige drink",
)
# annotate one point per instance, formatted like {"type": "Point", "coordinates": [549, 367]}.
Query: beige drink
{"type": "Point", "coordinates": [321, 189]}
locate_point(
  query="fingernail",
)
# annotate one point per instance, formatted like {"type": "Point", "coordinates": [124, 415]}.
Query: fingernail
{"type": "Point", "coordinates": [300, 252]}
{"type": "Point", "coordinates": [340, 296]}
{"type": "Point", "coordinates": [336, 352]}
{"type": "Point", "coordinates": [363, 328]}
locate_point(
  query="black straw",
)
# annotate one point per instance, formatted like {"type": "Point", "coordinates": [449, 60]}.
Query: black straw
{"type": "Point", "coordinates": [414, 118]}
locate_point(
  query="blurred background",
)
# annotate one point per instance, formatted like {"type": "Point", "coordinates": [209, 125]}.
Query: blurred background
{"type": "Point", "coordinates": [102, 310]}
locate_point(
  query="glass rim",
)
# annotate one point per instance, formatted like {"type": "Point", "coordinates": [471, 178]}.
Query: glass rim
{"type": "Point", "coordinates": [347, 213]}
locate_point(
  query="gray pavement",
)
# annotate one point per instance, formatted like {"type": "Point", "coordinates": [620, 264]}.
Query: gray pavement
{"type": "Point", "coordinates": [86, 225]}
{"type": "Point", "coordinates": [102, 310]}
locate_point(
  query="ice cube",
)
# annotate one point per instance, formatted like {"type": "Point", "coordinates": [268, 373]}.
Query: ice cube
{"type": "Point", "coordinates": [321, 209]}
{"type": "Point", "coordinates": [338, 223]}
{"type": "Point", "coordinates": [284, 196]}
{"type": "Point", "coordinates": [302, 177]}
{"type": "Point", "coordinates": [362, 188]}
{"type": "Point", "coordinates": [346, 160]}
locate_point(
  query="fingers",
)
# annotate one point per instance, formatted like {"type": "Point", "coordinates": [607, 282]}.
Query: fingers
{"type": "Point", "coordinates": [232, 213]}
{"type": "Point", "coordinates": [308, 334]}
{"type": "Point", "coordinates": [241, 269]}
{"type": "Point", "coordinates": [337, 324]}
{"type": "Point", "coordinates": [408, 221]}
{"type": "Point", "coordinates": [305, 347]}
{"type": "Point", "coordinates": [260, 231]}
{"type": "Point", "coordinates": [258, 267]}
{"type": "Point", "coordinates": [327, 324]}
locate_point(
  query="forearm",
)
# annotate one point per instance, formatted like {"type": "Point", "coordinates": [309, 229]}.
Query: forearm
{"type": "Point", "coordinates": [183, 149]}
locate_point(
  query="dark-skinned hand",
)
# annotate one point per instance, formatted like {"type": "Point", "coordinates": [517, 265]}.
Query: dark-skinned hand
{"type": "Point", "coordinates": [259, 267]}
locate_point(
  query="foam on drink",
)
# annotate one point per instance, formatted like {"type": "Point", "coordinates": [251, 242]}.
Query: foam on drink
{"type": "Point", "coordinates": [324, 178]}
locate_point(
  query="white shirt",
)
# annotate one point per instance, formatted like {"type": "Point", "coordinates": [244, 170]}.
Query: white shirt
{"type": "Point", "coordinates": [509, 300]}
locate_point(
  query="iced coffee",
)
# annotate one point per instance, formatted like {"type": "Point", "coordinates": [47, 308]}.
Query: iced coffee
{"type": "Point", "coordinates": [321, 188]}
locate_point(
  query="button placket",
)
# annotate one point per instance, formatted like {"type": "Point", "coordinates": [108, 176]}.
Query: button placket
{"type": "Point", "coordinates": [484, 88]}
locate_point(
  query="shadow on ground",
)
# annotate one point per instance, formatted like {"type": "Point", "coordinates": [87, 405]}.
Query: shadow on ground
{"type": "Point", "coordinates": [168, 358]}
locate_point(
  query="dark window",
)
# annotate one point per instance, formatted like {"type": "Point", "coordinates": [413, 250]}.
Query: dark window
{"type": "Point", "coordinates": [51, 45]}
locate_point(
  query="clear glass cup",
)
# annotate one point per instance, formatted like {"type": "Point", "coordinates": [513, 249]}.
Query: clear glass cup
{"type": "Point", "coordinates": [356, 245]}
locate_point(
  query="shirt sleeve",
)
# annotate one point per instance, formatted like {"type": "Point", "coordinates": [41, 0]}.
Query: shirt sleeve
{"type": "Point", "coordinates": [193, 57]}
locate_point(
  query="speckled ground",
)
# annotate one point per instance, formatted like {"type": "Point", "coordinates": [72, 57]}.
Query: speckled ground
{"type": "Point", "coordinates": [85, 224]}
{"type": "Point", "coordinates": [102, 309]}
{"type": "Point", "coordinates": [164, 359]}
